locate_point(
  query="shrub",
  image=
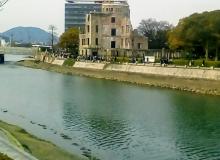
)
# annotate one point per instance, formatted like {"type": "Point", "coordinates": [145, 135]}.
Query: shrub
{"type": "Point", "coordinates": [69, 62]}
{"type": "Point", "coordinates": [199, 62]}
{"type": "Point", "coordinates": [123, 59]}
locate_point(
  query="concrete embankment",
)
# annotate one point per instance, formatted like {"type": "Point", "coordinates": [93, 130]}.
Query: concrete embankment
{"type": "Point", "coordinates": [151, 69]}
{"type": "Point", "coordinates": [179, 72]}
{"type": "Point", "coordinates": [49, 59]}
{"type": "Point", "coordinates": [195, 85]}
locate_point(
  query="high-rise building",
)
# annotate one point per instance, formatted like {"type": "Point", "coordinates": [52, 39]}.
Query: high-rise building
{"type": "Point", "coordinates": [76, 10]}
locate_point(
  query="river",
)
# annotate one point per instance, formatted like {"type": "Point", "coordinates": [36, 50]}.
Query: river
{"type": "Point", "coordinates": [112, 120]}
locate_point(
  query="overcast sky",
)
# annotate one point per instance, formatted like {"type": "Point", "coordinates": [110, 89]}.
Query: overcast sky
{"type": "Point", "coordinates": [42, 13]}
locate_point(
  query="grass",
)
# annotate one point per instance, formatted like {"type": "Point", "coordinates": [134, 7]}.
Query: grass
{"type": "Point", "coordinates": [195, 63]}
{"type": "Point", "coordinates": [4, 157]}
{"type": "Point", "coordinates": [41, 149]}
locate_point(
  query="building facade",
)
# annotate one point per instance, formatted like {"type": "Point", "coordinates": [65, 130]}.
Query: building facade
{"type": "Point", "coordinates": [2, 42]}
{"type": "Point", "coordinates": [75, 12]}
{"type": "Point", "coordinates": [109, 33]}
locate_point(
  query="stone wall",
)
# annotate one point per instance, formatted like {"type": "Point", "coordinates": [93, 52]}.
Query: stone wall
{"type": "Point", "coordinates": [195, 73]}
{"type": "Point", "coordinates": [99, 66]}
{"type": "Point", "coordinates": [49, 59]}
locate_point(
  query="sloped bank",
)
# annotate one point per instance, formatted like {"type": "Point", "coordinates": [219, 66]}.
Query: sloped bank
{"type": "Point", "coordinates": [195, 85]}
{"type": "Point", "coordinates": [178, 72]}
{"type": "Point", "coordinates": [40, 149]}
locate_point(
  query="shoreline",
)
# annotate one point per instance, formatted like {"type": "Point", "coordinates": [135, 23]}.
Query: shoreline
{"type": "Point", "coordinates": [41, 149]}
{"type": "Point", "coordinates": [198, 86]}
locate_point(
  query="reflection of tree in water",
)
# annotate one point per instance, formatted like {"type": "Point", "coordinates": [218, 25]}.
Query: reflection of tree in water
{"type": "Point", "coordinates": [105, 132]}
{"type": "Point", "coordinates": [197, 125]}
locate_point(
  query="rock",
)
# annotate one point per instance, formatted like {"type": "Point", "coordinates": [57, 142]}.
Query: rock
{"type": "Point", "coordinates": [5, 111]}
{"type": "Point", "coordinates": [65, 136]}
{"type": "Point", "coordinates": [32, 122]}
{"type": "Point", "coordinates": [75, 144]}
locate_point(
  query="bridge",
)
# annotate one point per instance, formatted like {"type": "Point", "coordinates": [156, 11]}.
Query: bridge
{"type": "Point", "coordinates": [2, 58]}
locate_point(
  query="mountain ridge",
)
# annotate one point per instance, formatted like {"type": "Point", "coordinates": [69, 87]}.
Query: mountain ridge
{"type": "Point", "coordinates": [32, 35]}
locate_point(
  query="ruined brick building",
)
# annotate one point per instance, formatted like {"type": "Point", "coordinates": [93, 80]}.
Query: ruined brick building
{"type": "Point", "coordinates": [109, 33]}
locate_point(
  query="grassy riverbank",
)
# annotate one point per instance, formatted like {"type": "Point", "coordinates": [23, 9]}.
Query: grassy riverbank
{"type": "Point", "coordinates": [40, 149]}
{"type": "Point", "coordinates": [4, 157]}
{"type": "Point", "coordinates": [200, 86]}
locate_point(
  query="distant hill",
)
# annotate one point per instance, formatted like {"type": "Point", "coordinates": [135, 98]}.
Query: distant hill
{"type": "Point", "coordinates": [4, 37]}
{"type": "Point", "coordinates": [29, 35]}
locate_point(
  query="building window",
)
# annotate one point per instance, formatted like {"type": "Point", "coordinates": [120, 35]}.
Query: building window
{"type": "Point", "coordinates": [97, 41]}
{"type": "Point", "coordinates": [111, 9]}
{"type": "Point", "coordinates": [88, 18]}
{"type": "Point", "coordinates": [113, 33]}
{"type": "Point", "coordinates": [113, 19]}
{"type": "Point", "coordinates": [127, 28]}
{"type": "Point", "coordinates": [83, 41]}
{"type": "Point", "coordinates": [139, 45]}
{"type": "Point", "coordinates": [88, 28]}
{"type": "Point", "coordinates": [97, 29]}
{"type": "Point", "coordinates": [88, 41]}
{"type": "Point", "coordinates": [113, 44]}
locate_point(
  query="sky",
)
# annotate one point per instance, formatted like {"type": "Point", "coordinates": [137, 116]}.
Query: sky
{"type": "Point", "coordinates": [42, 13]}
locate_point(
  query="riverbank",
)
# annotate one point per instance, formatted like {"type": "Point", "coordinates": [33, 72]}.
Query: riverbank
{"type": "Point", "coordinates": [40, 149]}
{"type": "Point", "coordinates": [199, 86]}
{"type": "Point", "coordinates": [4, 157]}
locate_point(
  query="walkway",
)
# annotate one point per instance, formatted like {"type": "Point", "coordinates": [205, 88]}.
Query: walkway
{"type": "Point", "coordinates": [11, 150]}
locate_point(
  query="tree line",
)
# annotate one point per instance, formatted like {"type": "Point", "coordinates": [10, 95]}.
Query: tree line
{"type": "Point", "coordinates": [198, 35]}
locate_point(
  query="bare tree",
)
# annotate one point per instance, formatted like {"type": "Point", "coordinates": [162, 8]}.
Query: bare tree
{"type": "Point", "coordinates": [156, 31]}
{"type": "Point", "coordinates": [52, 29]}
{"type": "Point", "coordinates": [3, 2]}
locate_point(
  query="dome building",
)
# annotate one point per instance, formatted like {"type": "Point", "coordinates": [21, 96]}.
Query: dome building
{"type": "Point", "coordinates": [109, 33]}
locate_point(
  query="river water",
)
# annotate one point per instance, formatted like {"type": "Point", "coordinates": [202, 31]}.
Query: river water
{"type": "Point", "coordinates": [110, 120]}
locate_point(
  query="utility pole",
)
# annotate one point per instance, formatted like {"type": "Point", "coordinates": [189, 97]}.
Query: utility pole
{"type": "Point", "coordinates": [52, 28]}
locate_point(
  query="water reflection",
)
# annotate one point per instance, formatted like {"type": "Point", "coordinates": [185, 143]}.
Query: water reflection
{"type": "Point", "coordinates": [115, 120]}
{"type": "Point", "coordinates": [198, 126]}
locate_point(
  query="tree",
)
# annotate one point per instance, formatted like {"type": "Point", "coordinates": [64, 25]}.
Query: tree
{"type": "Point", "coordinates": [3, 2]}
{"type": "Point", "coordinates": [52, 29]}
{"type": "Point", "coordinates": [197, 31]}
{"type": "Point", "coordinates": [156, 32]}
{"type": "Point", "coordinates": [69, 40]}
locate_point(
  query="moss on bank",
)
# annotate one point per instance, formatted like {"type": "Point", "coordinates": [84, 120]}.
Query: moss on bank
{"type": "Point", "coordinates": [4, 157]}
{"type": "Point", "coordinates": [200, 86]}
{"type": "Point", "coordinates": [41, 149]}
